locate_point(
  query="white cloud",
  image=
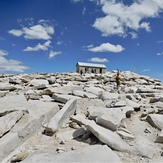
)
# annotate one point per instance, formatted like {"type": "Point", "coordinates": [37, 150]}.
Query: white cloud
{"type": "Point", "coordinates": [16, 32]}
{"type": "Point", "coordinates": [39, 47]}
{"type": "Point", "coordinates": [53, 53]}
{"type": "Point", "coordinates": [107, 47]}
{"type": "Point", "coordinates": [10, 65]}
{"type": "Point", "coordinates": [3, 53]}
{"type": "Point", "coordinates": [84, 11]}
{"type": "Point", "coordinates": [39, 31]}
{"type": "Point", "coordinates": [119, 17]}
{"type": "Point", "coordinates": [88, 46]}
{"type": "Point", "coordinates": [160, 53]}
{"type": "Point", "coordinates": [59, 42]}
{"type": "Point", "coordinates": [145, 70]}
{"type": "Point", "coordinates": [133, 35]}
{"type": "Point", "coordinates": [96, 59]}
{"type": "Point", "coordinates": [75, 1]}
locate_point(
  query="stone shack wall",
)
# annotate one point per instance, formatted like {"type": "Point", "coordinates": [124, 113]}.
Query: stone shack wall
{"type": "Point", "coordinates": [87, 69]}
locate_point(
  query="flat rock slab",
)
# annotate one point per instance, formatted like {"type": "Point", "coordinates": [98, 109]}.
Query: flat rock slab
{"type": "Point", "coordinates": [144, 147]}
{"type": "Point", "coordinates": [8, 121]}
{"type": "Point", "coordinates": [95, 153]}
{"type": "Point", "coordinates": [63, 98]}
{"type": "Point", "coordinates": [108, 96]}
{"type": "Point", "coordinates": [156, 120]}
{"type": "Point", "coordinates": [110, 138]}
{"type": "Point", "coordinates": [61, 116]}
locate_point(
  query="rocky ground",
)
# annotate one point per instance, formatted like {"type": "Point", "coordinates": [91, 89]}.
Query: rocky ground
{"type": "Point", "coordinates": [66, 117]}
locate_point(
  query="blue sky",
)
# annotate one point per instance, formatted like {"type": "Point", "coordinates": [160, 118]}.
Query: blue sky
{"type": "Point", "coordinates": [53, 35]}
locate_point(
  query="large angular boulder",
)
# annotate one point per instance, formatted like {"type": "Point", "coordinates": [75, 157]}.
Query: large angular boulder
{"type": "Point", "coordinates": [110, 120]}
{"type": "Point", "coordinates": [60, 117]}
{"type": "Point", "coordinates": [112, 139]}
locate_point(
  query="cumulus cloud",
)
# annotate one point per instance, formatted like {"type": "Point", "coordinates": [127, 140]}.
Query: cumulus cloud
{"type": "Point", "coordinates": [107, 47]}
{"type": "Point", "coordinates": [52, 53]}
{"type": "Point", "coordinates": [10, 65]}
{"type": "Point", "coordinates": [39, 46]}
{"type": "Point", "coordinates": [96, 59]}
{"type": "Point", "coordinates": [119, 17]}
{"type": "Point", "coordinates": [37, 32]}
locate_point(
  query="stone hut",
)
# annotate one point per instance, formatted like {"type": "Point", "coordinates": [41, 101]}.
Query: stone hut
{"type": "Point", "coordinates": [82, 67]}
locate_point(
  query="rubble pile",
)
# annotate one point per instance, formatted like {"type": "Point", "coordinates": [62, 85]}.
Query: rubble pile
{"type": "Point", "coordinates": [68, 117]}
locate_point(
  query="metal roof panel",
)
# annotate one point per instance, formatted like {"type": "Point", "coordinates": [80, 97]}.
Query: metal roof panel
{"type": "Point", "coordinates": [91, 65]}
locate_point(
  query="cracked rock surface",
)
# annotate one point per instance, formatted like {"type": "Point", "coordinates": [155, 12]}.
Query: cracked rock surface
{"type": "Point", "coordinates": [66, 117]}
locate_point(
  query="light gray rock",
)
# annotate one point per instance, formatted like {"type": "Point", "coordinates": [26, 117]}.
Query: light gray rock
{"type": "Point", "coordinates": [17, 102]}
{"type": "Point", "coordinates": [147, 90]}
{"type": "Point", "coordinates": [90, 95]}
{"type": "Point", "coordinates": [65, 90]}
{"type": "Point", "coordinates": [145, 147]}
{"type": "Point", "coordinates": [8, 88]}
{"type": "Point", "coordinates": [121, 112]}
{"type": "Point", "coordinates": [133, 104]}
{"type": "Point", "coordinates": [93, 90]}
{"type": "Point", "coordinates": [159, 138]}
{"type": "Point", "coordinates": [38, 114]}
{"type": "Point", "coordinates": [131, 89]}
{"type": "Point", "coordinates": [8, 121]}
{"type": "Point", "coordinates": [125, 135]}
{"type": "Point", "coordinates": [112, 139]}
{"type": "Point", "coordinates": [8, 144]}
{"type": "Point", "coordinates": [60, 117]}
{"type": "Point", "coordinates": [154, 99]}
{"type": "Point", "coordinates": [63, 98]}
{"type": "Point", "coordinates": [78, 93]}
{"type": "Point", "coordinates": [3, 93]}
{"type": "Point", "coordinates": [37, 82]}
{"type": "Point", "coordinates": [95, 111]}
{"type": "Point", "coordinates": [156, 120]}
{"type": "Point", "coordinates": [15, 81]}
{"type": "Point", "coordinates": [27, 126]}
{"type": "Point", "coordinates": [110, 120]}
{"type": "Point", "coordinates": [108, 96]}
{"type": "Point", "coordinates": [84, 103]}
{"type": "Point", "coordinates": [120, 103]}
{"type": "Point", "coordinates": [95, 153]}
{"type": "Point", "coordinates": [69, 134]}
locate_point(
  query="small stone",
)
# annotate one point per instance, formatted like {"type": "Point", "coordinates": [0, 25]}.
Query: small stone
{"type": "Point", "coordinates": [60, 149]}
{"type": "Point", "coordinates": [73, 148]}
{"type": "Point", "coordinates": [62, 142]}
{"type": "Point", "coordinates": [147, 130]}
